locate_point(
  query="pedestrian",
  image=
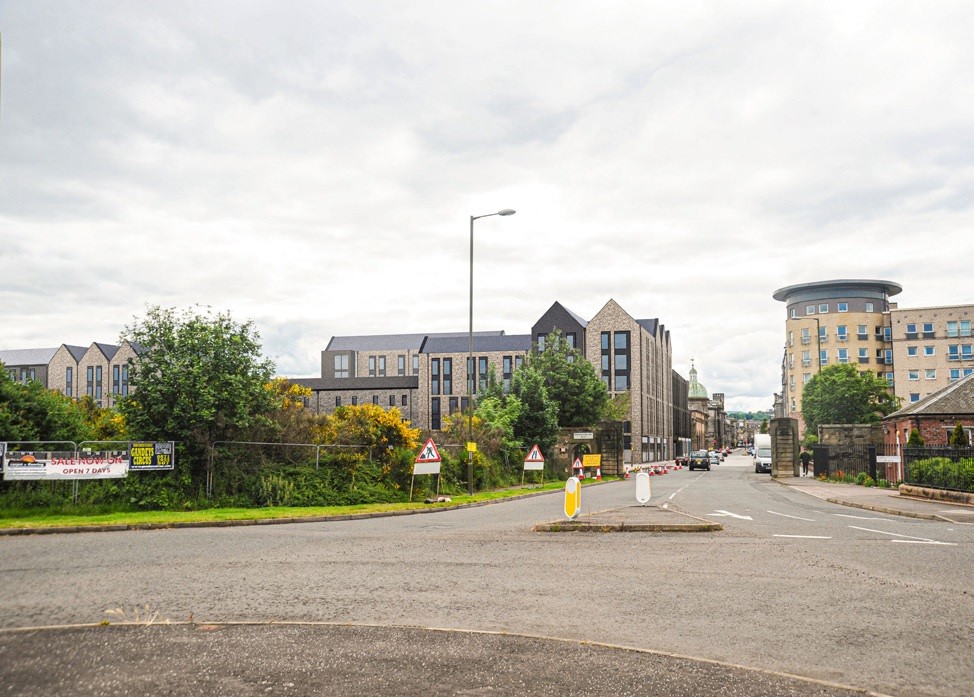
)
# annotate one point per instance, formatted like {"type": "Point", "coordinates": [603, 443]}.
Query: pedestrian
{"type": "Point", "coordinates": [805, 457]}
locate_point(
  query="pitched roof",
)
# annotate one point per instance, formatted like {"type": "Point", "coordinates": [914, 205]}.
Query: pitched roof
{"type": "Point", "coordinates": [392, 342]}
{"type": "Point", "coordinates": [956, 398]}
{"type": "Point", "coordinates": [17, 357]}
{"type": "Point", "coordinates": [393, 382]}
{"type": "Point", "coordinates": [77, 352]}
{"type": "Point", "coordinates": [650, 325]}
{"type": "Point", "coordinates": [107, 350]}
{"type": "Point", "coordinates": [578, 318]}
{"type": "Point", "coordinates": [461, 344]}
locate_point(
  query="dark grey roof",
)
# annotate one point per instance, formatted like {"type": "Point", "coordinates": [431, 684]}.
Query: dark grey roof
{"type": "Point", "coordinates": [483, 344]}
{"type": "Point", "coordinates": [394, 382]}
{"type": "Point", "coordinates": [650, 325]}
{"type": "Point", "coordinates": [957, 398]}
{"type": "Point", "coordinates": [391, 342]}
{"type": "Point", "coordinates": [578, 318]}
{"type": "Point", "coordinates": [107, 350]}
{"type": "Point", "coordinates": [18, 357]}
{"type": "Point", "coordinates": [77, 352]}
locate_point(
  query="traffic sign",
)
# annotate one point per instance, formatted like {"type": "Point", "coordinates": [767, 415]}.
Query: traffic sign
{"type": "Point", "coordinates": [429, 453]}
{"type": "Point", "coordinates": [534, 459]}
{"type": "Point", "coordinates": [573, 497]}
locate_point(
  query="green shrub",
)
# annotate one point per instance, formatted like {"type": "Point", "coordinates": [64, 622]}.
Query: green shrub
{"type": "Point", "coordinates": [861, 478]}
{"type": "Point", "coordinates": [882, 484]}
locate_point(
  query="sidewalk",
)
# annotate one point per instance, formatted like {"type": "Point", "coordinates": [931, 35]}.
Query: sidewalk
{"type": "Point", "coordinates": [888, 501]}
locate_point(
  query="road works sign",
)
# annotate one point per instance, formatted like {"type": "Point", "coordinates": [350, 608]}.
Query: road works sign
{"type": "Point", "coordinates": [534, 460]}
{"type": "Point", "coordinates": [428, 460]}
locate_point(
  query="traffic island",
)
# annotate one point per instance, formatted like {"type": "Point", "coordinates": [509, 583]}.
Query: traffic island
{"type": "Point", "coordinates": [632, 519]}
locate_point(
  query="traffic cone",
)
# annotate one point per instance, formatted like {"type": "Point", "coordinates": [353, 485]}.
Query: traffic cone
{"type": "Point", "coordinates": [598, 473]}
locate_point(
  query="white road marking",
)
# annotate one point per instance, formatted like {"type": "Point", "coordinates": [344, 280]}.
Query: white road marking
{"type": "Point", "coordinates": [785, 515]}
{"type": "Point", "coordinates": [720, 513]}
{"type": "Point", "coordinates": [926, 542]}
{"type": "Point", "coordinates": [909, 538]}
{"type": "Point", "coordinates": [859, 517]}
{"type": "Point", "coordinates": [808, 537]}
{"type": "Point", "coordinates": [672, 495]}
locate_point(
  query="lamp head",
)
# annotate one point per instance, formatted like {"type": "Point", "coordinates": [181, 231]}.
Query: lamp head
{"type": "Point", "coordinates": [507, 211]}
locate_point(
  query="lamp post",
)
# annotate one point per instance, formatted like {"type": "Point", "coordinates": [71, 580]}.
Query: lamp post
{"type": "Point", "coordinates": [471, 372]}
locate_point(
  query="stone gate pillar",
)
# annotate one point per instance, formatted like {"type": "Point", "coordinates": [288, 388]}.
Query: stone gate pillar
{"type": "Point", "coordinates": [784, 447]}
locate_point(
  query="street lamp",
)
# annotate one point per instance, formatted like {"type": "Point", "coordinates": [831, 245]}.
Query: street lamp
{"type": "Point", "coordinates": [471, 373]}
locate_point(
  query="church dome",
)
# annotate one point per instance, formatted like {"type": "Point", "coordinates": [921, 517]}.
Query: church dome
{"type": "Point", "coordinates": [697, 391]}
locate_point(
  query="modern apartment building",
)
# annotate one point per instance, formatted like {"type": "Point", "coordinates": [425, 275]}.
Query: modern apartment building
{"type": "Point", "coordinates": [429, 376]}
{"type": "Point", "coordinates": [932, 348]}
{"type": "Point", "coordinates": [834, 322]}
{"type": "Point", "coordinates": [100, 371]}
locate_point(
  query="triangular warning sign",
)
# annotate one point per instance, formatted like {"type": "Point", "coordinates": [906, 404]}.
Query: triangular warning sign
{"type": "Point", "coordinates": [429, 453]}
{"type": "Point", "coordinates": [534, 455]}
{"type": "Point", "coordinates": [577, 465]}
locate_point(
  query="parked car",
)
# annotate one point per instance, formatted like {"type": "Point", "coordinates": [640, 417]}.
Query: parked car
{"type": "Point", "coordinates": [699, 459]}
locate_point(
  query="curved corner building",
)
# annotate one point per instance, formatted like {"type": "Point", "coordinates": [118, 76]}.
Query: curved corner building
{"type": "Point", "coordinates": [828, 322]}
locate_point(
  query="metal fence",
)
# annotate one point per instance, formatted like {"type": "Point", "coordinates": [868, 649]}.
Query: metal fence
{"type": "Point", "coordinates": [940, 468]}
{"type": "Point", "coordinates": [842, 460]}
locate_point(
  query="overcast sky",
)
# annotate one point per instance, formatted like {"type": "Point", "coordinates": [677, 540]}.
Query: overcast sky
{"type": "Point", "coordinates": [313, 166]}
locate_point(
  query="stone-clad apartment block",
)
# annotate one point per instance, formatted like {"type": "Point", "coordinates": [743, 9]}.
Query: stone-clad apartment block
{"type": "Point", "coordinates": [428, 378]}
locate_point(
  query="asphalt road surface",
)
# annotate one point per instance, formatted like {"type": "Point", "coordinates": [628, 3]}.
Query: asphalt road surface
{"type": "Point", "coordinates": [792, 584]}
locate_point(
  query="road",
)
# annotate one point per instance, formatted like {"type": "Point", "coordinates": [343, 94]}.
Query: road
{"type": "Point", "coordinates": [792, 584]}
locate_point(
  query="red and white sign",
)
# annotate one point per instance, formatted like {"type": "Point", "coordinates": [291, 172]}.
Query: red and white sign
{"type": "Point", "coordinates": [428, 460]}
{"type": "Point", "coordinates": [534, 460]}
{"type": "Point", "coordinates": [66, 465]}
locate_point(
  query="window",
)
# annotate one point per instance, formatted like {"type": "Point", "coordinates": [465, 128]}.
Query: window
{"type": "Point", "coordinates": [889, 378]}
{"type": "Point", "coordinates": [863, 355]}
{"type": "Point", "coordinates": [392, 400]}
{"type": "Point", "coordinates": [843, 307]}
{"type": "Point", "coordinates": [791, 360]}
{"type": "Point", "coordinates": [823, 334]}
{"type": "Point", "coordinates": [911, 331]}
{"type": "Point", "coordinates": [888, 356]}
{"type": "Point", "coordinates": [621, 356]}
{"type": "Point", "coordinates": [861, 331]}
{"type": "Point", "coordinates": [405, 401]}
{"type": "Point", "coordinates": [382, 366]}
{"type": "Point", "coordinates": [931, 373]}
{"type": "Point", "coordinates": [371, 366]}
{"type": "Point", "coordinates": [928, 332]}
{"type": "Point", "coordinates": [354, 401]}
{"type": "Point", "coordinates": [454, 404]}
{"type": "Point", "coordinates": [953, 352]}
{"type": "Point", "coordinates": [606, 369]}
{"type": "Point", "coordinates": [965, 327]}
{"type": "Point", "coordinates": [806, 377]}
{"type": "Point", "coordinates": [869, 307]}
{"type": "Point", "coordinates": [791, 383]}
{"type": "Point", "coordinates": [506, 366]}
{"type": "Point", "coordinates": [965, 352]}
{"type": "Point", "coordinates": [809, 309]}
{"type": "Point", "coordinates": [338, 402]}
{"type": "Point", "coordinates": [98, 382]}
{"type": "Point", "coordinates": [913, 375]}
{"type": "Point", "coordinates": [90, 381]}
{"type": "Point", "coordinates": [823, 308]}
{"type": "Point", "coordinates": [415, 365]}
{"type": "Point", "coordinates": [69, 381]}
{"type": "Point", "coordinates": [470, 375]}
{"type": "Point", "coordinates": [401, 365]}
{"type": "Point", "coordinates": [570, 338]}
{"type": "Point", "coordinates": [464, 403]}
{"type": "Point", "coordinates": [794, 313]}
{"type": "Point", "coordinates": [954, 374]}
{"type": "Point", "coordinates": [805, 336]}
{"type": "Point", "coordinates": [887, 333]}
{"type": "Point", "coordinates": [341, 366]}
{"type": "Point", "coordinates": [518, 362]}
{"type": "Point", "coordinates": [447, 376]}
{"type": "Point", "coordinates": [928, 350]}
{"type": "Point", "coordinates": [823, 357]}
{"type": "Point", "coordinates": [375, 399]}
{"type": "Point", "coordinates": [953, 330]}
{"type": "Point", "coordinates": [843, 355]}
{"type": "Point", "coordinates": [914, 396]}
{"type": "Point", "coordinates": [435, 413]}
{"type": "Point", "coordinates": [116, 379]}
{"type": "Point", "coordinates": [791, 338]}
{"type": "Point", "coordinates": [912, 351]}
{"type": "Point", "coordinates": [435, 376]}
{"type": "Point", "coordinates": [482, 373]}
{"type": "Point", "coordinates": [541, 341]}
{"type": "Point", "coordinates": [125, 380]}
{"type": "Point", "coordinates": [842, 332]}
{"type": "Point", "coordinates": [806, 358]}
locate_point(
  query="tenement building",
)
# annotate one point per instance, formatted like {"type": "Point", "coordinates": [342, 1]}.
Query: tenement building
{"type": "Point", "coordinates": [430, 376]}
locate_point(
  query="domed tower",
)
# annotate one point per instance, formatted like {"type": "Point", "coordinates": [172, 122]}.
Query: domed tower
{"type": "Point", "coordinates": [698, 403]}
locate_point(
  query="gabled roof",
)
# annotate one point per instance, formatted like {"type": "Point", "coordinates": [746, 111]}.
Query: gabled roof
{"type": "Point", "coordinates": [578, 318]}
{"type": "Point", "coordinates": [650, 325]}
{"type": "Point", "coordinates": [107, 350]}
{"type": "Point", "coordinates": [484, 344]}
{"type": "Point", "coordinates": [24, 357]}
{"type": "Point", "coordinates": [957, 398]}
{"type": "Point", "coordinates": [393, 382]}
{"type": "Point", "coordinates": [392, 342]}
{"type": "Point", "coordinates": [77, 352]}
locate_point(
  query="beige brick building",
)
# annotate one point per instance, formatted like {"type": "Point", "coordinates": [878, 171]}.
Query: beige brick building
{"type": "Point", "coordinates": [933, 347]}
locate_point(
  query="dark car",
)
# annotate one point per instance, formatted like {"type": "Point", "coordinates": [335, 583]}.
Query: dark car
{"type": "Point", "coordinates": [699, 459]}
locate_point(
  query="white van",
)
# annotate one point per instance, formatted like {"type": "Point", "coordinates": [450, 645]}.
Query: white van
{"type": "Point", "coordinates": [762, 453]}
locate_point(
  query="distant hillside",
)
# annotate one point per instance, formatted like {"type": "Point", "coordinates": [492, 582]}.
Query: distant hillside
{"type": "Point", "coordinates": [751, 415]}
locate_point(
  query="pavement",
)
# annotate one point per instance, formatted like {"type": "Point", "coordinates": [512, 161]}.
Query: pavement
{"type": "Point", "coordinates": [888, 501]}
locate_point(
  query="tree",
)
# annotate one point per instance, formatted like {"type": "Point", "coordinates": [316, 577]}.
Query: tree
{"type": "Point", "coordinates": [578, 393]}
{"type": "Point", "coordinates": [764, 426]}
{"type": "Point", "coordinates": [368, 425]}
{"type": "Point", "coordinates": [839, 394]}
{"type": "Point", "coordinates": [537, 421]}
{"type": "Point", "coordinates": [915, 440]}
{"type": "Point", "coordinates": [200, 378]}
{"type": "Point", "coordinates": [31, 412]}
{"type": "Point", "coordinates": [958, 439]}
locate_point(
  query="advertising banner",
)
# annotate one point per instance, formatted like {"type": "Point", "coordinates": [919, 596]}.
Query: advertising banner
{"type": "Point", "coordinates": [25, 465]}
{"type": "Point", "coordinates": [151, 456]}
{"type": "Point", "coordinates": [53, 464]}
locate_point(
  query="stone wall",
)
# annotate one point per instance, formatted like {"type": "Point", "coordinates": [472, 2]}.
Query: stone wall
{"type": "Point", "coordinates": [850, 434]}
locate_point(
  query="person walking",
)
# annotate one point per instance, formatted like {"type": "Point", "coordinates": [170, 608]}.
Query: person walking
{"type": "Point", "coordinates": [805, 458]}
